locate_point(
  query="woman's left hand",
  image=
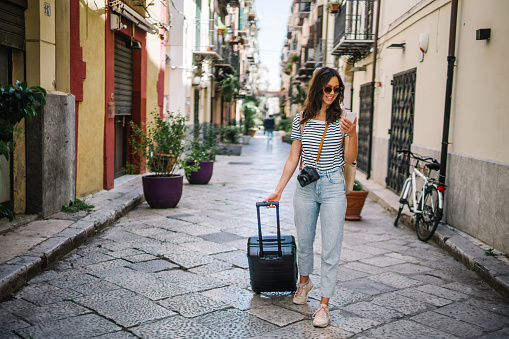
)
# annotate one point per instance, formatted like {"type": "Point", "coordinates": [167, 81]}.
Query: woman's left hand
{"type": "Point", "coordinates": [348, 127]}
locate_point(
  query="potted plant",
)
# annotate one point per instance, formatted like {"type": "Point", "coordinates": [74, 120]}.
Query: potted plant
{"type": "Point", "coordinates": [333, 6]}
{"type": "Point", "coordinates": [355, 201]}
{"type": "Point", "coordinates": [199, 161]}
{"type": "Point", "coordinates": [158, 147]}
{"type": "Point", "coordinates": [299, 96]}
{"type": "Point", "coordinates": [230, 85]}
{"type": "Point", "coordinates": [288, 69]}
{"type": "Point", "coordinates": [250, 111]}
{"type": "Point", "coordinates": [16, 103]}
{"type": "Point", "coordinates": [294, 59]}
{"type": "Point", "coordinates": [251, 16]}
{"type": "Point", "coordinates": [221, 29]}
{"type": "Point", "coordinates": [285, 128]}
{"type": "Point", "coordinates": [230, 135]}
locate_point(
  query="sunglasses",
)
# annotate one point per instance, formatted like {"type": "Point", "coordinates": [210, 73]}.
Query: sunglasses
{"type": "Point", "coordinates": [329, 89]}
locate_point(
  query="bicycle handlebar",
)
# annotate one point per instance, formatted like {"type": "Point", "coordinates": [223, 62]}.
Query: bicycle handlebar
{"type": "Point", "coordinates": [418, 157]}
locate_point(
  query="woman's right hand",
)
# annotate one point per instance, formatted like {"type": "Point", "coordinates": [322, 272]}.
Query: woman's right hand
{"type": "Point", "coordinates": [273, 197]}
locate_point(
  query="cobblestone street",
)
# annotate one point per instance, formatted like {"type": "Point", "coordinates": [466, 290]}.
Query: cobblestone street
{"type": "Point", "coordinates": [183, 273]}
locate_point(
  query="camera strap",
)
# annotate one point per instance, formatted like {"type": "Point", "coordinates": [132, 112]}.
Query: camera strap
{"type": "Point", "coordinates": [319, 149]}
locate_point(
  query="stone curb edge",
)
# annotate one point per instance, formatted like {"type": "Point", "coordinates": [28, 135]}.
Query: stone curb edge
{"type": "Point", "coordinates": [16, 272]}
{"type": "Point", "coordinates": [494, 272]}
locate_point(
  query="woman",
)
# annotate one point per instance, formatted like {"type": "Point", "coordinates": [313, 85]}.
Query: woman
{"type": "Point", "coordinates": [326, 196]}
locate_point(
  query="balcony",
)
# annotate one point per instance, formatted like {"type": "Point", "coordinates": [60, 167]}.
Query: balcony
{"type": "Point", "coordinates": [233, 3]}
{"type": "Point", "coordinates": [229, 59]}
{"type": "Point", "coordinates": [353, 29]}
{"type": "Point", "coordinates": [303, 9]}
{"type": "Point", "coordinates": [207, 44]}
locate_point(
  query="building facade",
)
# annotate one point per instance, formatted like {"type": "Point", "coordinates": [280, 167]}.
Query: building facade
{"type": "Point", "coordinates": [408, 103]}
{"type": "Point", "coordinates": [401, 94]}
{"type": "Point", "coordinates": [209, 40]}
{"type": "Point", "coordinates": [103, 66]}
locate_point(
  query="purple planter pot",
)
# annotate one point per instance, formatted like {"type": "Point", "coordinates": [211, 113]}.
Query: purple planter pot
{"type": "Point", "coordinates": [203, 175]}
{"type": "Point", "coordinates": [162, 192]}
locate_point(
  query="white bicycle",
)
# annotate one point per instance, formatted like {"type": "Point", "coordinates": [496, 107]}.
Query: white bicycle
{"type": "Point", "coordinates": [427, 202]}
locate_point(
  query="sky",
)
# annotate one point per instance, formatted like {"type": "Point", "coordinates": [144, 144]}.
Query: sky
{"type": "Point", "coordinates": [272, 18]}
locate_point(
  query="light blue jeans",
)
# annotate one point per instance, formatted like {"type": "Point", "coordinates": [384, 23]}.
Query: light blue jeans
{"type": "Point", "coordinates": [325, 197]}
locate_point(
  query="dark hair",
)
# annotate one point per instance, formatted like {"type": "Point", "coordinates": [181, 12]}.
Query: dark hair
{"type": "Point", "coordinates": [314, 99]}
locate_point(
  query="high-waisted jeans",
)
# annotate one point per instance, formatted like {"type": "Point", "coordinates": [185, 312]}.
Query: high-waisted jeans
{"type": "Point", "coordinates": [325, 197]}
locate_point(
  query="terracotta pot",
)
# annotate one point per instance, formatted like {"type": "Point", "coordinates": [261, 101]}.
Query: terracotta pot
{"type": "Point", "coordinates": [203, 175]}
{"type": "Point", "coordinates": [162, 192]}
{"type": "Point", "coordinates": [334, 8]}
{"type": "Point", "coordinates": [354, 204]}
{"type": "Point", "coordinates": [252, 131]}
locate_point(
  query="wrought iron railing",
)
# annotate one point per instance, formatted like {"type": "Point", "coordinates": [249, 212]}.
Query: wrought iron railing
{"type": "Point", "coordinates": [229, 56]}
{"type": "Point", "coordinates": [354, 21]}
{"type": "Point", "coordinates": [304, 6]}
{"type": "Point", "coordinates": [206, 37]}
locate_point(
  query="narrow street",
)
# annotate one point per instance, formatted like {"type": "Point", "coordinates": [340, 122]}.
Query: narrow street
{"type": "Point", "coordinates": [183, 273]}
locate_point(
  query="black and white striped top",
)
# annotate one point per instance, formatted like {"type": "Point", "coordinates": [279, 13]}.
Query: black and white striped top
{"type": "Point", "coordinates": [332, 151]}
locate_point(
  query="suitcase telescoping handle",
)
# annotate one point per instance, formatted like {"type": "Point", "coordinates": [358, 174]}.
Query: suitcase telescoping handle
{"type": "Point", "coordinates": [260, 239]}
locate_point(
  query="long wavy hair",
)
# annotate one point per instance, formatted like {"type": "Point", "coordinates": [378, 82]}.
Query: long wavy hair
{"type": "Point", "coordinates": [314, 99]}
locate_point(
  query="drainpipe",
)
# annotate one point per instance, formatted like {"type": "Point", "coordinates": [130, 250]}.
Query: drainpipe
{"type": "Point", "coordinates": [448, 90]}
{"type": "Point", "coordinates": [324, 47]}
{"type": "Point", "coordinates": [373, 75]}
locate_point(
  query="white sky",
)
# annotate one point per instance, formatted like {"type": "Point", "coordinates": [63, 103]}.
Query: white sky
{"type": "Point", "coordinates": [272, 16]}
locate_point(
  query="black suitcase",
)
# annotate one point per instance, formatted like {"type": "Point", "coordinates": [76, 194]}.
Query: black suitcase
{"type": "Point", "coordinates": [272, 263]}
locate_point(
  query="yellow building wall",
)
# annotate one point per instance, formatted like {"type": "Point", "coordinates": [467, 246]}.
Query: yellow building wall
{"type": "Point", "coordinates": [63, 46]}
{"type": "Point", "coordinates": [40, 44]}
{"type": "Point", "coordinates": [19, 154]}
{"type": "Point", "coordinates": [153, 62]}
{"type": "Point", "coordinates": [90, 156]}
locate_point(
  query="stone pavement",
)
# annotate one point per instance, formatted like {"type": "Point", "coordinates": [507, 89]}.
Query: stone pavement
{"type": "Point", "coordinates": [183, 273]}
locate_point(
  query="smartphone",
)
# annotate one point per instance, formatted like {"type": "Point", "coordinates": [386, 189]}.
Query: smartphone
{"type": "Point", "coordinates": [351, 116]}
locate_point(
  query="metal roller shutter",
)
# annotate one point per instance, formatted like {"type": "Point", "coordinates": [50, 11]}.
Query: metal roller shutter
{"type": "Point", "coordinates": [12, 23]}
{"type": "Point", "coordinates": [123, 78]}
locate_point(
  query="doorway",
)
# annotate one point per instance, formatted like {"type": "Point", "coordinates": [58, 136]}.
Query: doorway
{"type": "Point", "coordinates": [402, 127]}
{"type": "Point", "coordinates": [123, 102]}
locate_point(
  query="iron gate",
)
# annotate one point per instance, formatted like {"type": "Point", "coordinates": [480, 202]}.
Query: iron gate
{"type": "Point", "coordinates": [363, 136]}
{"type": "Point", "coordinates": [402, 126]}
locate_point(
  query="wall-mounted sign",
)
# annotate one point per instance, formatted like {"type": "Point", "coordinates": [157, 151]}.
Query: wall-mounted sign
{"type": "Point", "coordinates": [47, 9]}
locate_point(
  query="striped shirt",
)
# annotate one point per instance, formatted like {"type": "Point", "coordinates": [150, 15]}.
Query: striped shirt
{"type": "Point", "coordinates": [331, 157]}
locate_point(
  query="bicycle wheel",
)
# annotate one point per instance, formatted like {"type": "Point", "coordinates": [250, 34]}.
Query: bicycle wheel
{"type": "Point", "coordinates": [427, 222]}
{"type": "Point", "coordinates": [403, 200]}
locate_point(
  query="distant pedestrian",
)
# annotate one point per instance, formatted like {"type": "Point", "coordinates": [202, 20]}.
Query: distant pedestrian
{"type": "Point", "coordinates": [268, 126]}
{"type": "Point", "coordinates": [326, 196]}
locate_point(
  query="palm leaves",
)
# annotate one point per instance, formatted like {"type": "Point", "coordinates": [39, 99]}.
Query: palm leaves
{"type": "Point", "coordinates": [230, 85]}
{"type": "Point", "coordinates": [17, 103]}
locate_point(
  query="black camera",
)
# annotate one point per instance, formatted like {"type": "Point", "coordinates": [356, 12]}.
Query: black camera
{"type": "Point", "coordinates": [307, 176]}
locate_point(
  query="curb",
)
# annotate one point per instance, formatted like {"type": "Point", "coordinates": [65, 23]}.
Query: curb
{"type": "Point", "coordinates": [461, 246]}
{"type": "Point", "coordinates": [16, 272]}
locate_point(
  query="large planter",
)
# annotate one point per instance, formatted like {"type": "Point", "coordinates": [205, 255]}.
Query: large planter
{"type": "Point", "coordinates": [252, 131]}
{"type": "Point", "coordinates": [354, 204]}
{"type": "Point", "coordinates": [334, 8]}
{"type": "Point", "coordinates": [245, 139]}
{"type": "Point", "coordinates": [203, 175]}
{"type": "Point", "coordinates": [230, 149]}
{"type": "Point", "coordinates": [162, 192]}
